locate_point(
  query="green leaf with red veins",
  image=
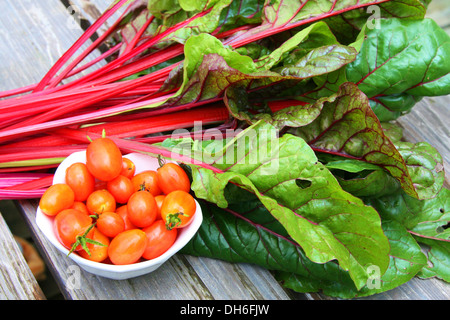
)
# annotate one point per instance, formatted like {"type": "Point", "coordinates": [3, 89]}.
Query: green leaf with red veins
{"type": "Point", "coordinates": [427, 218]}
{"type": "Point", "coordinates": [425, 166]}
{"type": "Point", "coordinates": [438, 254]}
{"type": "Point", "coordinates": [347, 126]}
{"type": "Point", "coordinates": [285, 175]}
{"type": "Point", "coordinates": [410, 56]}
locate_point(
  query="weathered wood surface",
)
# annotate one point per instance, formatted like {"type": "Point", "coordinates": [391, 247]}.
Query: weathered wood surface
{"type": "Point", "coordinates": [42, 32]}
{"type": "Point", "coordinates": [17, 282]}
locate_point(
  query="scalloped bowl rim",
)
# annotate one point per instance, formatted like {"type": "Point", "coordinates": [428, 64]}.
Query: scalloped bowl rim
{"type": "Point", "coordinates": [45, 224]}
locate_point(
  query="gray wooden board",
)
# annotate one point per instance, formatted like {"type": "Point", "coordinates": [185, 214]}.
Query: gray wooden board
{"type": "Point", "coordinates": [17, 282]}
{"type": "Point", "coordinates": [38, 40]}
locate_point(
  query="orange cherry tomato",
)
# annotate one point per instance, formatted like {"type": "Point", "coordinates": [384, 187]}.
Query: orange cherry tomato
{"type": "Point", "coordinates": [56, 198]}
{"type": "Point", "coordinates": [142, 209]}
{"type": "Point", "coordinates": [146, 180]}
{"type": "Point", "coordinates": [103, 159]}
{"type": "Point", "coordinates": [160, 239]}
{"type": "Point", "coordinates": [80, 180]}
{"type": "Point", "coordinates": [128, 168]}
{"type": "Point", "coordinates": [123, 212]}
{"type": "Point", "coordinates": [69, 224]}
{"type": "Point", "coordinates": [178, 209]}
{"type": "Point", "coordinates": [121, 188]}
{"type": "Point", "coordinates": [127, 247]}
{"type": "Point", "coordinates": [159, 201]}
{"type": "Point", "coordinates": [80, 206]}
{"type": "Point", "coordinates": [98, 253]}
{"type": "Point", "coordinates": [100, 201]}
{"type": "Point", "coordinates": [110, 224]}
{"type": "Point", "coordinates": [172, 177]}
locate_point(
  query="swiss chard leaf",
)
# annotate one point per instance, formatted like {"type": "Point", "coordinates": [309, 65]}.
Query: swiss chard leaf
{"type": "Point", "coordinates": [347, 25]}
{"type": "Point", "coordinates": [425, 166]}
{"type": "Point", "coordinates": [403, 56]}
{"type": "Point", "coordinates": [348, 126]}
{"type": "Point", "coordinates": [391, 107]}
{"type": "Point", "coordinates": [406, 260]}
{"type": "Point", "coordinates": [225, 230]}
{"type": "Point", "coordinates": [356, 178]}
{"type": "Point", "coordinates": [223, 233]}
{"type": "Point", "coordinates": [427, 218]}
{"type": "Point", "coordinates": [438, 254]}
{"type": "Point", "coordinates": [284, 174]}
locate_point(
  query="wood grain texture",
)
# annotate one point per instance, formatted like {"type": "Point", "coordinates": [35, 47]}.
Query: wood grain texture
{"type": "Point", "coordinates": [34, 36]}
{"type": "Point", "coordinates": [17, 282]}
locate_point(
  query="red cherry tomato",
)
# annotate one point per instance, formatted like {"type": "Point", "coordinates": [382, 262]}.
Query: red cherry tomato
{"type": "Point", "coordinates": [127, 247]}
{"type": "Point", "coordinates": [178, 209]}
{"type": "Point", "coordinates": [98, 253]}
{"type": "Point", "coordinates": [172, 177]}
{"type": "Point", "coordinates": [123, 212]}
{"type": "Point", "coordinates": [103, 159]}
{"type": "Point", "coordinates": [128, 168]}
{"type": "Point", "coordinates": [142, 209]}
{"type": "Point", "coordinates": [121, 188]}
{"type": "Point", "coordinates": [160, 239]}
{"type": "Point", "coordinates": [110, 224]}
{"type": "Point", "coordinates": [100, 201]}
{"type": "Point", "coordinates": [80, 180]}
{"type": "Point", "coordinates": [56, 198]}
{"type": "Point", "coordinates": [148, 181]}
{"type": "Point", "coordinates": [69, 224]}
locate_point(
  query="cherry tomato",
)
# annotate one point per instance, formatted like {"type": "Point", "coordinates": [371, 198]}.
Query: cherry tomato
{"type": "Point", "coordinates": [80, 180]}
{"type": "Point", "coordinates": [178, 209]}
{"type": "Point", "coordinates": [99, 185]}
{"type": "Point", "coordinates": [159, 201]}
{"type": "Point", "coordinates": [121, 188]}
{"type": "Point", "coordinates": [142, 209]}
{"type": "Point", "coordinates": [160, 239]}
{"type": "Point", "coordinates": [110, 224]}
{"type": "Point", "coordinates": [56, 198]}
{"type": "Point", "coordinates": [146, 180]}
{"type": "Point", "coordinates": [98, 253]}
{"type": "Point", "coordinates": [128, 168]}
{"type": "Point", "coordinates": [103, 159]}
{"type": "Point", "coordinates": [123, 212]}
{"type": "Point", "coordinates": [127, 247]}
{"type": "Point", "coordinates": [100, 201]}
{"type": "Point", "coordinates": [69, 224]}
{"type": "Point", "coordinates": [80, 206]}
{"type": "Point", "coordinates": [172, 177]}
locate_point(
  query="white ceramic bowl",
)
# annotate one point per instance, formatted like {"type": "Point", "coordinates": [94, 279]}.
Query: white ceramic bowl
{"type": "Point", "coordinates": [118, 272]}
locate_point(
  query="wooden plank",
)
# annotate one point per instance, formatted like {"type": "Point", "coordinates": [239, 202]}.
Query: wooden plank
{"type": "Point", "coordinates": [17, 282]}
{"type": "Point", "coordinates": [34, 36]}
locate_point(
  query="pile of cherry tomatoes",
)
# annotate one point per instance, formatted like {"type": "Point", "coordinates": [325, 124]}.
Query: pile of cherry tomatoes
{"type": "Point", "coordinates": [106, 212]}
